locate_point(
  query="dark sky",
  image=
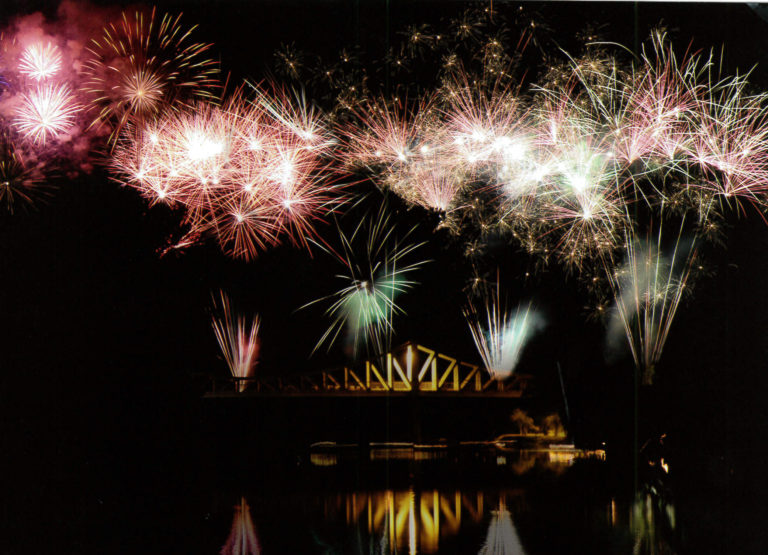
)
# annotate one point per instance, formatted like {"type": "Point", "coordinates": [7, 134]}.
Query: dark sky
{"type": "Point", "coordinates": [102, 338]}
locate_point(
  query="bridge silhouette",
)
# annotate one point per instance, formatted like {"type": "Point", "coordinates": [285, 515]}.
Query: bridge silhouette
{"type": "Point", "coordinates": [409, 370]}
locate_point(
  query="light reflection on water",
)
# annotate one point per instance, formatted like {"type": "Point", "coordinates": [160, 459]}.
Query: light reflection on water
{"type": "Point", "coordinates": [525, 459]}
{"type": "Point", "coordinates": [502, 538]}
{"type": "Point", "coordinates": [242, 538]}
{"type": "Point", "coordinates": [411, 519]}
{"type": "Point", "coordinates": [652, 519]}
{"type": "Point", "coordinates": [418, 518]}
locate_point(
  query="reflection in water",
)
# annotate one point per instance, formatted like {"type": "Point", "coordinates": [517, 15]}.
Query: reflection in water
{"type": "Point", "coordinates": [499, 497]}
{"type": "Point", "coordinates": [416, 521]}
{"type": "Point", "coordinates": [324, 459]}
{"type": "Point", "coordinates": [413, 522]}
{"type": "Point", "coordinates": [652, 521]}
{"type": "Point", "coordinates": [502, 537]}
{"type": "Point", "coordinates": [553, 457]}
{"type": "Point", "coordinates": [242, 538]}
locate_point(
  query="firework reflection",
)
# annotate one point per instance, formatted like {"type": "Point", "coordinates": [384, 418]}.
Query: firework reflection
{"type": "Point", "coordinates": [242, 538]}
{"type": "Point", "coordinates": [502, 538]}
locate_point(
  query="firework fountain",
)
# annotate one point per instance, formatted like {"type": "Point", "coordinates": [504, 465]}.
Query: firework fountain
{"type": "Point", "coordinates": [239, 343]}
{"type": "Point", "coordinates": [501, 336]}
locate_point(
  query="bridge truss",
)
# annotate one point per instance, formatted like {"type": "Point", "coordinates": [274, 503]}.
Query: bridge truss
{"type": "Point", "coordinates": [411, 369]}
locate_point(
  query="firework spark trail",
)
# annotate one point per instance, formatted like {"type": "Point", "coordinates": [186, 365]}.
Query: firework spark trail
{"type": "Point", "coordinates": [647, 290]}
{"type": "Point", "coordinates": [143, 65]}
{"type": "Point", "coordinates": [502, 336]}
{"type": "Point", "coordinates": [376, 272]}
{"type": "Point", "coordinates": [239, 343]}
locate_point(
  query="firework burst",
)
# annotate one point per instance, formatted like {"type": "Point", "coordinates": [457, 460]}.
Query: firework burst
{"type": "Point", "coordinates": [40, 61]}
{"type": "Point", "coordinates": [248, 172]}
{"type": "Point", "coordinates": [143, 65]}
{"type": "Point", "coordinates": [729, 142]}
{"type": "Point", "coordinates": [46, 112]}
{"type": "Point", "coordinates": [388, 135]}
{"type": "Point", "coordinates": [19, 184]}
{"type": "Point", "coordinates": [376, 272]}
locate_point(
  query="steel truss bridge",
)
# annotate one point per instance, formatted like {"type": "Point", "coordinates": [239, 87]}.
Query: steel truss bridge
{"type": "Point", "coordinates": [409, 370]}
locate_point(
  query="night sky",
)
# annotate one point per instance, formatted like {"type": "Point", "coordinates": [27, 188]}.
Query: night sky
{"type": "Point", "coordinates": [106, 345]}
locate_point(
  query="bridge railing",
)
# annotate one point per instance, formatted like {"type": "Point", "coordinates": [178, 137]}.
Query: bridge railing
{"type": "Point", "coordinates": [411, 368]}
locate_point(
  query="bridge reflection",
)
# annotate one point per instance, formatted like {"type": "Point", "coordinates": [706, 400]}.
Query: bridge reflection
{"type": "Point", "coordinates": [426, 511]}
{"type": "Point", "coordinates": [415, 521]}
{"type": "Point", "coordinates": [412, 521]}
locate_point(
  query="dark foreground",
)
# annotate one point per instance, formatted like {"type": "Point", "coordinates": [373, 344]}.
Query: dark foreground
{"type": "Point", "coordinates": [247, 497]}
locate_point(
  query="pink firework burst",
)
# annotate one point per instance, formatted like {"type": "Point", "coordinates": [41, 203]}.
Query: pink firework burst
{"type": "Point", "coordinates": [245, 224]}
{"type": "Point", "coordinates": [662, 96]}
{"type": "Point", "coordinates": [247, 173]}
{"type": "Point", "coordinates": [40, 61]}
{"type": "Point", "coordinates": [483, 126]}
{"type": "Point", "coordinates": [46, 112]}
{"type": "Point", "coordinates": [730, 143]}
{"type": "Point", "coordinates": [388, 134]}
{"type": "Point", "coordinates": [432, 188]}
